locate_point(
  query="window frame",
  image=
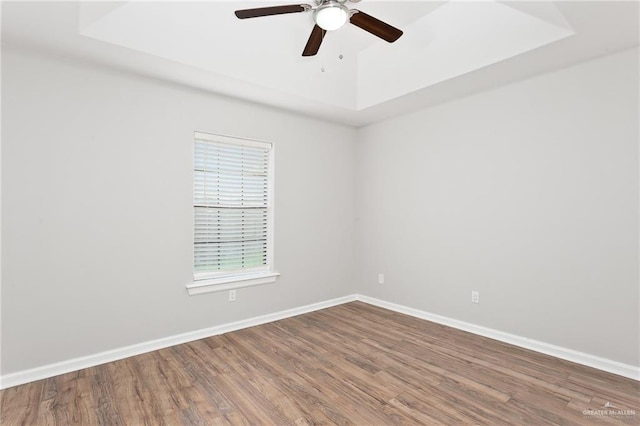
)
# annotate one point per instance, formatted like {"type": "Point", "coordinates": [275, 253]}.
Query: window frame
{"type": "Point", "coordinates": [228, 280]}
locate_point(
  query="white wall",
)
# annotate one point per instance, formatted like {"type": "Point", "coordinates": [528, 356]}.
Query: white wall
{"type": "Point", "coordinates": [97, 216]}
{"type": "Point", "coordinates": [528, 194]}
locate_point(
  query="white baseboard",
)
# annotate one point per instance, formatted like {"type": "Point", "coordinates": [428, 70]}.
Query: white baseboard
{"type": "Point", "coordinates": [63, 367]}
{"type": "Point", "coordinates": [589, 360]}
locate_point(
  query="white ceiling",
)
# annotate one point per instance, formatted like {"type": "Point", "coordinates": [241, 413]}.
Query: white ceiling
{"type": "Point", "coordinates": [449, 48]}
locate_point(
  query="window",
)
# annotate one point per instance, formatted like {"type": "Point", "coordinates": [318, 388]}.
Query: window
{"type": "Point", "coordinates": [233, 213]}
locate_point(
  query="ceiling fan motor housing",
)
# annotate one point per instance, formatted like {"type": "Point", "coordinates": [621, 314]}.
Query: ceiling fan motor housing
{"type": "Point", "coordinates": [331, 15]}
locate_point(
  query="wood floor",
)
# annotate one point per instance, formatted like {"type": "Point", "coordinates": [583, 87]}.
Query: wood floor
{"type": "Point", "coordinates": [351, 364]}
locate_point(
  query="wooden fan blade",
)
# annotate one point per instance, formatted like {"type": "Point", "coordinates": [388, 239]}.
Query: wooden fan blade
{"type": "Point", "coordinates": [375, 26]}
{"type": "Point", "coordinates": [272, 10]}
{"type": "Point", "coordinates": [314, 42]}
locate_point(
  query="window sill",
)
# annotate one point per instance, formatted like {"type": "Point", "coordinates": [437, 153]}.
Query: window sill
{"type": "Point", "coordinates": [230, 283]}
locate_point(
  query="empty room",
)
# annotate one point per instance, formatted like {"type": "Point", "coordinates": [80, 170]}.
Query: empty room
{"type": "Point", "coordinates": [352, 212]}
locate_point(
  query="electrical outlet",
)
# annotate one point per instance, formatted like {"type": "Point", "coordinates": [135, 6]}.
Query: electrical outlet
{"type": "Point", "coordinates": [475, 297]}
{"type": "Point", "coordinates": [380, 278]}
{"type": "Point", "coordinates": [232, 295]}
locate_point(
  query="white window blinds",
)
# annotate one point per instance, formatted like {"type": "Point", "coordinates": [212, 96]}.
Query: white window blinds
{"type": "Point", "coordinates": [232, 204]}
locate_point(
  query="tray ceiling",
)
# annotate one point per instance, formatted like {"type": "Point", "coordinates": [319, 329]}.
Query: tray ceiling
{"type": "Point", "coordinates": [449, 48]}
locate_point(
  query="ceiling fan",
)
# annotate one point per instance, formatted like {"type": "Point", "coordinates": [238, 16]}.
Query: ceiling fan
{"type": "Point", "coordinates": [329, 15]}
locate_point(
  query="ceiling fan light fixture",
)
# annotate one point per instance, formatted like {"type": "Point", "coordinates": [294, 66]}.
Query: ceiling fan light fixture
{"type": "Point", "coordinates": [331, 15]}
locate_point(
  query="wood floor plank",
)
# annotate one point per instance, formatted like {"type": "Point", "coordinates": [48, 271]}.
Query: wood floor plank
{"type": "Point", "coordinates": [353, 364]}
{"type": "Point", "coordinates": [84, 412]}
